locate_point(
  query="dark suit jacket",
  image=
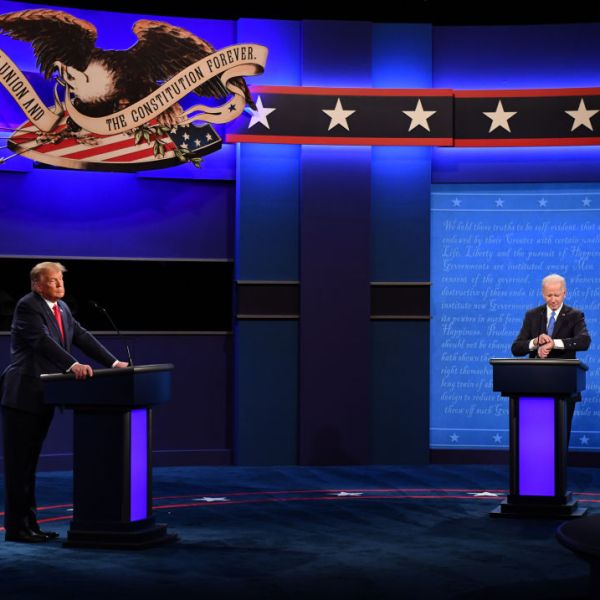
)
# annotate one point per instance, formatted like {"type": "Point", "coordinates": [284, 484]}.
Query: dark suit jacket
{"type": "Point", "coordinates": [570, 327]}
{"type": "Point", "coordinates": [36, 348]}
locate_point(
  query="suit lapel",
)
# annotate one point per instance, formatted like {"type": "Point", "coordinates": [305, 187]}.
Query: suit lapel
{"type": "Point", "coordinates": [543, 320]}
{"type": "Point", "coordinates": [51, 320]}
{"type": "Point", "coordinates": [67, 322]}
{"type": "Point", "coordinates": [560, 321]}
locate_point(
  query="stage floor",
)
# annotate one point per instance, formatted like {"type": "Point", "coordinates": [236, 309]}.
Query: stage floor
{"type": "Point", "coordinates": [307, 532]}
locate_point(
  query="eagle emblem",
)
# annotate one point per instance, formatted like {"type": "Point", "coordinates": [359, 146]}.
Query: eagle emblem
{"type": "Point", "coordinates": [122, 109]}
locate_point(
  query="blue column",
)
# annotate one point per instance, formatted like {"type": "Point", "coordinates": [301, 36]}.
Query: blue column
{"type": "Point", "coordinates": [334, 263]}
{"type": "Point", "coordinates": [401, 182]}
{"type": "Point", "coordinates": [265, 363]}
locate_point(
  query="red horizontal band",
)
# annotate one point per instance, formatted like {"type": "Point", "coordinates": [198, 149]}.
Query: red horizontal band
{"type": "Point", "coordinates": [337, 141]}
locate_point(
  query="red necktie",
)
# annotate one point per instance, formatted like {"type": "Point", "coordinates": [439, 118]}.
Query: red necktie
{"type": "Point", "coordinates": [58, 317]}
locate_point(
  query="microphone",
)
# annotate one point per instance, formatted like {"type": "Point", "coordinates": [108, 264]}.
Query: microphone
{"type": "Point", "coordinates": [103, 310]}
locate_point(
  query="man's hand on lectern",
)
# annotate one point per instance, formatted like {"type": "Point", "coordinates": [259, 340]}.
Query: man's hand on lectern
{"type": "Point", "coordinates": [81, 371]}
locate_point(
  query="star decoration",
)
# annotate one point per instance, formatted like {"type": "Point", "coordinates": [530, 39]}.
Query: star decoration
{"type": "Point", "coordinates": [211, 499]}
{"type": "Point", "coordinates": [584, 439]}
{"type": "Point", "coordinates": [344, 494]}
{"type": "Point", "coordinates": [231, 107]}
{"type": "Point", "coordinates": [197, 143]}
{"type": "Point", "coordinates": [338, 116]}
{"type": "Point", "coordinates": [208, 137]}
{"type": "Point", "coordinates": [183, 145]}
{"type": "Point", "coordinates": [586, 202]}
{"type": "Point", "coordinates": [500, 203]}
{"type": "Point", "coordinates": [260, 114]}
{"type": "Point", "coordinates": [499, 118]}
{"type": "Point", "coordinates": [543, 203]}
{"type": "Point", "coordinates": [418, 117]}
{"type": "Point", "coordinates": [454, 438]}
{"type": "Point", "coordinates": [582, 116]}
{"type": "Point", "coordinates": [456, 202]}
{"type": "Point", "coordinates": [497, 438]}
{"type": "Point", "coordinates": [186, 136]}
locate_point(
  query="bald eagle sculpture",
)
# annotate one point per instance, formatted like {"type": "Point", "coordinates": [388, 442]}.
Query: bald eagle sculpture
{"type": "Point", "coordinates": [106, 81]}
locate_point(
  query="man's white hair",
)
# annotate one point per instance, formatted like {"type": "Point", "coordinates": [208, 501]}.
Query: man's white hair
{"type": "Point", "coordinates": [554, 277]}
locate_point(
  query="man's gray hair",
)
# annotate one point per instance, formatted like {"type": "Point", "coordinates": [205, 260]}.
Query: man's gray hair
{"type": "Point", "coordinates": [39, 269]}
{"type": "Point", "coordinates": [554, 277]}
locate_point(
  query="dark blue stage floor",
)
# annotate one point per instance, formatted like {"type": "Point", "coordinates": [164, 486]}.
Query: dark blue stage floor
{"type": "Point", "coordinates": [301, 532]}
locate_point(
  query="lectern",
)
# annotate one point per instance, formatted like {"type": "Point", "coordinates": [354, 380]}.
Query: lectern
{"type": "Point", "coordinates": [538, 391]}
{"type": "Point", "coordinates": [112, 453]}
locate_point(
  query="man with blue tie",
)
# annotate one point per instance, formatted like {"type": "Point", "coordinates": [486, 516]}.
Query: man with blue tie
{"type": "Point", "coordinates": [42, 333]}
{"type": "Point", "coordinates": [553, 330]}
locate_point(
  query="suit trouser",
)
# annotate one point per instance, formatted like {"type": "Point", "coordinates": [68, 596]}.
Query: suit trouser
{"type": "Point", "coordinates": [23, 435]}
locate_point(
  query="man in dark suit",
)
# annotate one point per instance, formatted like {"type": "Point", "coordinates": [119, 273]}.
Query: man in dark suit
{"type": "Point", "coordinates": [553, 330]}
{"type": "Point", "coordinates": [42, 333]}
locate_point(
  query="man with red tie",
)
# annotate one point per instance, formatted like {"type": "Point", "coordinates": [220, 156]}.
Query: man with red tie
{"type": "Point", "coordinates": [42, 333]}
{"type": "Point", "coordinates": [553, 330]}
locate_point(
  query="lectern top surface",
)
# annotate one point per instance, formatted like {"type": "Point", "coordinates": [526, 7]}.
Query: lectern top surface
{"type": "Point", "coordinates": [114, 372]}
{"type": "Point", "coordinates": [572, 362]}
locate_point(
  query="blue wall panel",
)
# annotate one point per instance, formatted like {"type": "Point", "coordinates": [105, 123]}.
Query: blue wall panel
{"type": "Point", "coordinates": [400, 192]}
{"type": "Point", "coordinates": [400, 214]}
{"type": "Point", "coordinates": [399, 383]}
{"type": "Point", "coordinates": [336, 54]}
{"type": "Point", "coordinates": [268, 191]}
{"type": "Point", "coordinates": [267, 212]}
{"type": "Point", "coordinates": [401, 55]}
{"type": "Point", "coordinates": [334, 262]}
{"type": "Point", "coordinates": [334, 305]}
{"type": "Point", "coordinates": [525, 57]}
{"type": "Point", "coordinates": [266, 411]}
{"type": "Point", "coordinates": [59, 213]}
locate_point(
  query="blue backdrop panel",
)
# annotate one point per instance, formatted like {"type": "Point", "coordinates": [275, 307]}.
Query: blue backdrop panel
{"type": "Point", "coordinates": [526, 57]}
{"type": "Point", "coordinates": [265, 418]}
{"type": "Point", "coordinates": [267, 222]}
{"type": "Point", "coordinates": [400, 214]}
{"type": "Point", "coordinates": [195, 428]}
{"type": "Point", "coordinates": [400, 193]}
{"type": "Point", "coordinates": [491, 246]}
{"type": "Point", "coordinates": [336, 54]}
{"type": "Point", "coordinates": [59, 213]}
{"type": "Point", "coordinates": [334, 305]}
{"type": "Point", "coordinates": [515, 165]}
{"type": "Point", "coordinates": [268, 175]}
{"type": "Point", "coordinates": [402, 55]}
{"type": "Point", "coordinates": [334, 262]}
{"type": "Point", "coordinates": [399, 384]}
{"type": "Point", "coordinates": [266, 363]}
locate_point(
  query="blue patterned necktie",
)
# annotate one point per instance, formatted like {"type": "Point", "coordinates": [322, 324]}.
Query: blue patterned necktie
{"type": "Point", "coordinates": [551, 323]}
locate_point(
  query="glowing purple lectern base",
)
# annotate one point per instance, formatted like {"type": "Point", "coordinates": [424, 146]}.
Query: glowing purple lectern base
{"type": "Point", "coordinates": [138, 465]}
{"type": "Point", "coordinates": [536, 447]}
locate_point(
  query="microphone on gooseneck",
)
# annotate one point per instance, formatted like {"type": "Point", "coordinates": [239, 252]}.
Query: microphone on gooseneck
{"type": "Point", "coordinates": [103, 310]}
